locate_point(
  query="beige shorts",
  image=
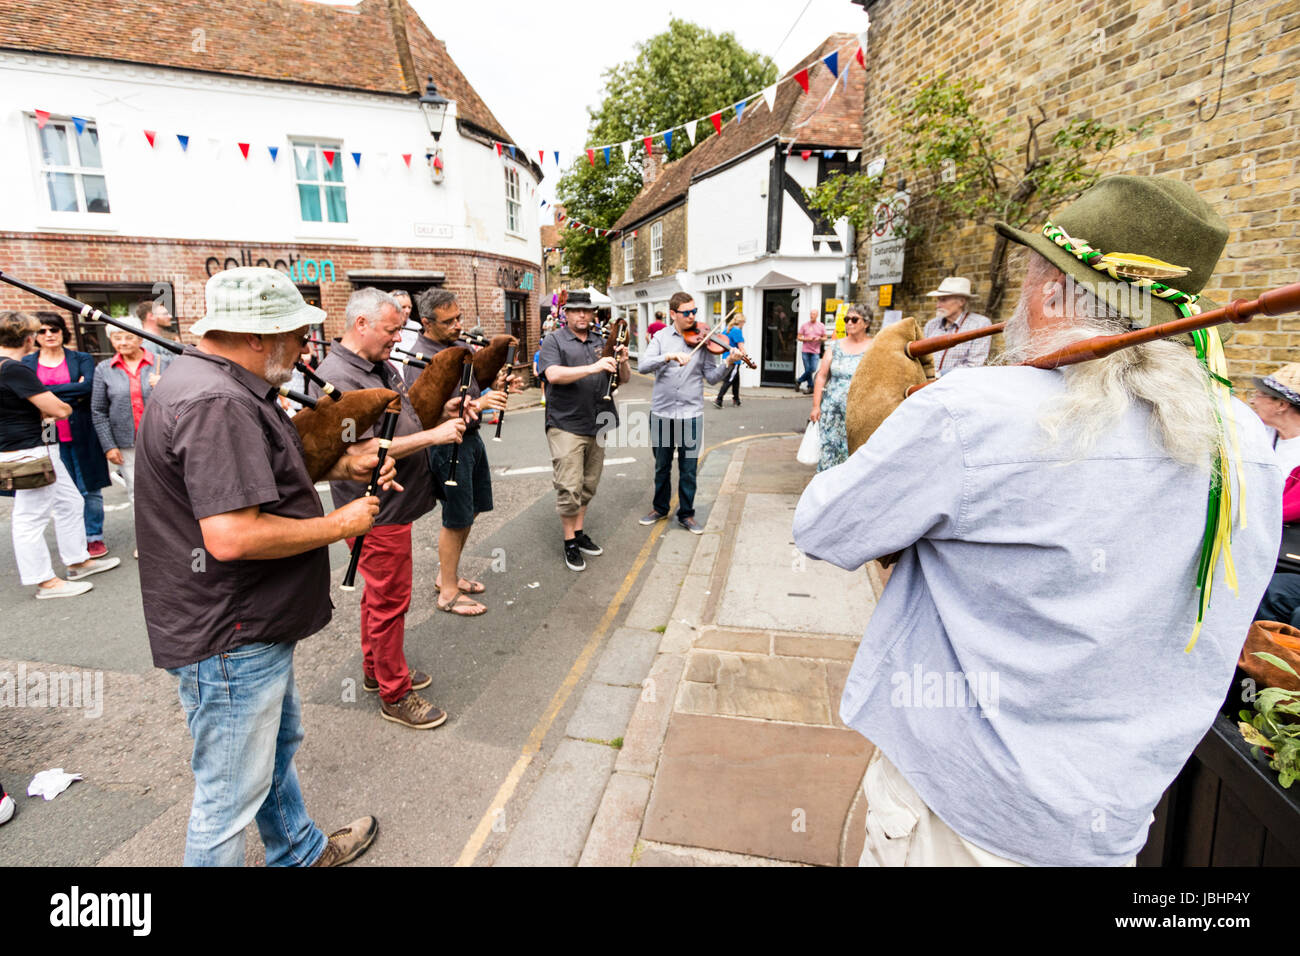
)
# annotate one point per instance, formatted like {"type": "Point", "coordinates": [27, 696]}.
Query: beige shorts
{"type": "Point", "coordinates": [577, 461]}
{"type": "Point", "coordinates": [903, 831]}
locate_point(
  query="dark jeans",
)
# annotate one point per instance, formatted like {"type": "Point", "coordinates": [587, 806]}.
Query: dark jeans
{"type": "Point", "coordinates": [680, 436]}
{"type": "Point", "coordinates": [732, 384]}
{"type": "Point", "coordinates": [810, 362]}
{"type": "Point", "coordinates": [1281, 601]}
{"type": "Point", "coordinates": [92, 498]}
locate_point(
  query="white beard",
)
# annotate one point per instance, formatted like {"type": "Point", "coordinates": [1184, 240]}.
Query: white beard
{"type": "Point", "coordinates": [279, 364]}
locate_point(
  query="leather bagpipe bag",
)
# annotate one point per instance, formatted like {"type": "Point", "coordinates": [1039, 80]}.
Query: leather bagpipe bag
{"type": "Point", "coordinates": [882, 378]}
{"type": "Point", "coordinates": [322, 432]}
{"type": "Point", "coordinates": [489, 359]}
{"type": "Point", "coordinates": [436, 384]}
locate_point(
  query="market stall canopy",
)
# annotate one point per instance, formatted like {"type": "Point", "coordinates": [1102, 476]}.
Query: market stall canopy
{"type": "Point", "coordinates": [598, 299]}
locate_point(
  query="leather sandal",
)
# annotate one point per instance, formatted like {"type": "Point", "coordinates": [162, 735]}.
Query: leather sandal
{"type": "Point", "coordinates": [462, 601]}
{"type": "Point", "coordinates": [472, 587]}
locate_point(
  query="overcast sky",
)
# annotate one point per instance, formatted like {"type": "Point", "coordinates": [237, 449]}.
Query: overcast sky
{"type": "Point", "coordinates": [538, 65]}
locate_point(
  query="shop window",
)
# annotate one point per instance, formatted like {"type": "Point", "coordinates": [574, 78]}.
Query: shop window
{"type": "Point", "coordinates": [115, 299]}
{"type": "Point", "coordinates": [72, 171]}
{"type": "Point", "coordinates": [657, 248]}
{"type": "Point", "coordinates": [513, 207]}
{"type": "Point", "coordinates": [627, 259]}
{"type": "Point", "coordinates": [322, 195]}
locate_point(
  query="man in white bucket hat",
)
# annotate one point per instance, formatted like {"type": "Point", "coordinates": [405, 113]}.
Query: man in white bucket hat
{"type": "Point", "coordinates": [950, 301]}
{"type": "Point", "coordinates": [234, 567]}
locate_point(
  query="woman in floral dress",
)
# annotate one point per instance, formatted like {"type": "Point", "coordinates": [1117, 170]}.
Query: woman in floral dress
{"type": "Point", "coordinates": [831, 386]}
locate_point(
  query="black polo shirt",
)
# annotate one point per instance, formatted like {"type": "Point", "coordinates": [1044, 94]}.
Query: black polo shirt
{"type": "Point", "coordinates": [213, 440]}
{"type": "Point", "coordinates": [427, 346]}
{"type": "Point", "coordinates": [348, 370]}
{"type": "Point", "coordinates": [579, 407]}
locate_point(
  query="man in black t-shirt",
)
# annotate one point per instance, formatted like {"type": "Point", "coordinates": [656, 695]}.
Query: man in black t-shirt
{"type": "Point", "coordinates": [577, 380]}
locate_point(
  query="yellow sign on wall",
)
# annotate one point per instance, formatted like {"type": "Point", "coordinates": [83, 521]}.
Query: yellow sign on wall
{"type": "Point", "coordinates": [886, 296]}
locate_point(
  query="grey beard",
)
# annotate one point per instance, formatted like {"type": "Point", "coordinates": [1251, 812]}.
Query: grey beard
{"type": "Point", "coordinates": [279, 364]}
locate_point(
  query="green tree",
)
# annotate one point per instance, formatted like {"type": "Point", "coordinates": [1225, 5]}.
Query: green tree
{"type": "Point", "coordinates": [971, 168]}
{"type": "Point", "coordinates": [681, 74]}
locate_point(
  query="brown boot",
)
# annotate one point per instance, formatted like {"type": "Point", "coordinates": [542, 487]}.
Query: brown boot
{"type": "Point", "coordinates": [347, 844]}
{"type": "Point", "coordinates": [413, 711]}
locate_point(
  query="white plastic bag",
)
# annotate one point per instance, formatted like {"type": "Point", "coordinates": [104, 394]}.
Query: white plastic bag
{"type": "Point", "coordinates": [810, 449]}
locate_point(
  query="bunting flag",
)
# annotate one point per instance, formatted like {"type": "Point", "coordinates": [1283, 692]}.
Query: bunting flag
{"type": "Point", "coordinates": [512, 150]}
{"type": "Point", "coordinates": [828, 153]}
{"type": "Point", "coordinates": [832, 61]}
{"type": "Point", "coordinates": [627, 150]}
{"type": "Point", "coordinates": [802, 79]}
{"type": "Point", "coordinates": [541, 157]}
{"type": "Point", "coordinates": [769, 97]}
{"type": "Point", "coordinates": [804, 154]}
{"type": "Point", "coordinates": [42, 117]}
{"type": "Point", "coordinates": [356, 158]}
{"type": "Point", "coordinates": [149, 135]}
{"type": "Point", "coordinates": [498, 149]}
{"type": "Point", "coordinates": [740, 111]}
{"type": "Point", "coordinates": [274, 151]}
{"type": "Point", "coordinates": [606, 152]}
{"type": "Point", "coordinates": [853, 155]}
{"type": "Point", "coordinates": [690, 131]}
{"type": "Point", "coordinates": [716, 120]}
{"type": "Point", "coordinates": [303, 154]}
{"type": "Point", "coordinates": [243, 148]}
{"type": "Point", "coordinates": [649, 150]}
{"type": "Point", "coordinates": [861, 59]}
{"type": "Point", "coordinates": [329, 155]}
{"type": "Point", "coordinates": [557, 158]}
{"type": "Point", "coordinates": [214, 147]}
{"type": "Point", "coordinates": [591, 157]}
{"type": "Point", "coordinates": [184, 141]}
{"type": "Point", "coordinates": [437, 163]}
{"type": "Point", "coordinates": [668, 139]}
{"type": "Point", "coordinates": [406, 158]}
{"type": "Point", "coordinates": [80, 123]}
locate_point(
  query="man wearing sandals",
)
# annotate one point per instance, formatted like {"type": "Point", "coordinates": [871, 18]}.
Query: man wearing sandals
{"type": "Point", "coordinates": [360, 360]}
{"type": "Point", "coordinates": [472, 493]}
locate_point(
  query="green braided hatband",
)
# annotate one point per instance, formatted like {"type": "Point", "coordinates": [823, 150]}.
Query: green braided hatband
{"type": "Point", "coordinates": [1184, 302]}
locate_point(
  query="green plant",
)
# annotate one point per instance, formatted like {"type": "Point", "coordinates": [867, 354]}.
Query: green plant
{"type": "Point", "coordinates": [971, 168]}
{"type": "Point", "coordinates": [1273, 727]}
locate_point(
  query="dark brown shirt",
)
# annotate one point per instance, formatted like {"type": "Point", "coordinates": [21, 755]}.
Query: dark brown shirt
{"type": "Point", "coordinates": [348, 370]}
{"type": "Point", "coordinates": [212, 440]}
{"type": "Point", "coordinates": [427, 346]}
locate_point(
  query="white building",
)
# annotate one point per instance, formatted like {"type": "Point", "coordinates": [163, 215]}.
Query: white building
{"type": "Point", "coordinates": [145, 150]}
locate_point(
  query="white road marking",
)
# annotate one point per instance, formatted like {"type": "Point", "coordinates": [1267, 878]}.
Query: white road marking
{"type": "Point", "coordinates": [546, 469]}
{"type": "Point", "coordinates": [618, 461]}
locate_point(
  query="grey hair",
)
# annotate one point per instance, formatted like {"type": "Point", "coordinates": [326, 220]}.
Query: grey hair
{"type": "Point", "coordinates": [1163, 375]}
{"type": "Point", "coordinates": [432, 299]}
{"type": "Point", "coordinates": [368, 302]}
{"type": "Point", "coordinates": [400, 294]}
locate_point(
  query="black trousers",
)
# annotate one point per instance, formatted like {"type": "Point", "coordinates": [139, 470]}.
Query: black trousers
{"type": "Point", "coordinates": [732, 384]}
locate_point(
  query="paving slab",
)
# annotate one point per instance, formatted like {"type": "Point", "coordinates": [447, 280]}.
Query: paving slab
{"type": "Point", "coordinates": [555, 824]}
{"type": "Point", "coordinates": [767, 688]}
{"type": "Point", "coordinates": [762, 789]}
{"type": "Point", "coordinates": [655, 602]}
{"type": "Point", "coordinates": [617, 825]}
{"type": "Point", "coordinates": [745, 642]}
{"type": "Point", "coordinates": [821, 603]}
{"type": "Point", "coordinates": [675, 549]}
{"type": "Point", "coordinates": [662, 854]}
{"type": "Point", "coordinates": [603, 712]}
{"type": "Point", "coordinates": [830, 648]}
{"type": "Point", "coordinates": [644, 736]}
{"type": "Point", "coordinates": [627, 657]}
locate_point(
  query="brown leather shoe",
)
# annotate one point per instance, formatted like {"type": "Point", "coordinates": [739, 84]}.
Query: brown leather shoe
{"type": "Point", "coordinates": [347, 844]}
{"type": "Point", "coordinates": [413, 711]}
{"type": "Point", "coordinates": [419, 681]}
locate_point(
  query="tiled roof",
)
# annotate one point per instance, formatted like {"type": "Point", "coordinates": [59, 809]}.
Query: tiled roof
{"type": "Point", "coordinates": [839, 125]}
{"type": "Point", "coordinates": [379, 46]}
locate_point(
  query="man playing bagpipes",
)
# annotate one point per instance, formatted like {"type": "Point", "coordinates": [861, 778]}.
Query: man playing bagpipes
{"type": "Point", "coordinates": [360, 360]}
{"type": "Point", "coordinates": [234, 566]}
{"type": "Point", "coordinates": [1045, 655]}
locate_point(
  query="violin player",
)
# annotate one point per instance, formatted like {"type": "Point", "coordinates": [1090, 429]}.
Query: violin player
{"type": "Point", "coordinates": [677, 406]}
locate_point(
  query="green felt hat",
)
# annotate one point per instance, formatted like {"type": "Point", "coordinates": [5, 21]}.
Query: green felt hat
{"type": "Point", "coordinates": [1142, 230]}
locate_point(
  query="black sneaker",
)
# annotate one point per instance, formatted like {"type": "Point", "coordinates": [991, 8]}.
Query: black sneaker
{"type": "Point", "coordinates": [586, 545]}
{"type": "Point", "coordinates": [718, 403]}
{"type": "Point", "coordinates": [573, 559]}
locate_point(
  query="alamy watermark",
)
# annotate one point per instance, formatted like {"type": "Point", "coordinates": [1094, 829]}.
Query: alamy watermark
{"type": "Point", "coordinates": [79, 690]}
{"type": "Point", "coordinates": [935, 689]}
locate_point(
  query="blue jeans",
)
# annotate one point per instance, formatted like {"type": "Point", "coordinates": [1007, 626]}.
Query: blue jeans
{"type": "Point", "coordinates": [92, 498]}
{"type": "Point", "coordinates": [810, 362]}
{"type": "Point", "coordinates": [245, 716]}
{"type": "Point", "coordinates": [679, 436]}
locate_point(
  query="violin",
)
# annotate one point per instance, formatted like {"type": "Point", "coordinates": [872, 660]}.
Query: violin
{"type": "Point", "coordinates": [715, 342]}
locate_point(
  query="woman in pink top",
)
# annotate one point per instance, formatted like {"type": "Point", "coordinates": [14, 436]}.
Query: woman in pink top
{"type": "Point", "coordinates": [70, 376]}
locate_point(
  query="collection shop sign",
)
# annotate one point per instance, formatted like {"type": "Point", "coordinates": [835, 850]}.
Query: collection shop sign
{"type": "Point", "coordinates": [299, 270]}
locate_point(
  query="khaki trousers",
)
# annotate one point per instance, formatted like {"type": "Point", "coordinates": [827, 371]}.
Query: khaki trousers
{"type": "Point", "coordinates": [577, 461]}
{"type": "Point", "coordinates": [903, 831]}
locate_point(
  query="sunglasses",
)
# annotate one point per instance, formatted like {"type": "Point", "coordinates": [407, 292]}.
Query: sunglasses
{"type": "Point", "coordinates": [46, 330]}
{"type": "Point", "coordinates": [687, 312]}
{"type": "Point", "coordinates": [852, 318]}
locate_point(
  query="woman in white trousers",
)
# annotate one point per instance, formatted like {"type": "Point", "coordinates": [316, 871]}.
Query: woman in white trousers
{"type": "Point", "coordinates": [25, 404]}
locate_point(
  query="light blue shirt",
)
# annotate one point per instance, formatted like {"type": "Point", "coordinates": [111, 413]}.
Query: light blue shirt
{"type": "Point", "coordinates": [678, 390]}
{"type": "Point", "coordinates": [1057, 593]}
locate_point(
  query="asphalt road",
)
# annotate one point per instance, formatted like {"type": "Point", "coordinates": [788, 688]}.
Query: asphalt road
{"type": "Point", "coordinates": [498, 675]}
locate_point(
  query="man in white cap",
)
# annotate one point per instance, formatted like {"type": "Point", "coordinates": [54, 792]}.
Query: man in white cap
{"type": "Point", "coordinates": [234, 567]}
{"type": "Point", "coordinates": [950, 301]}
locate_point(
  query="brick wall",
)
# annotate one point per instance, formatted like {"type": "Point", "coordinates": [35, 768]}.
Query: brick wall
{"type": "Point", "coordinates": [1121, 61]}
{"type": "Point", "coordinates": [51, 261]}
{"type": "Point", "coordinates": [674, 221]}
